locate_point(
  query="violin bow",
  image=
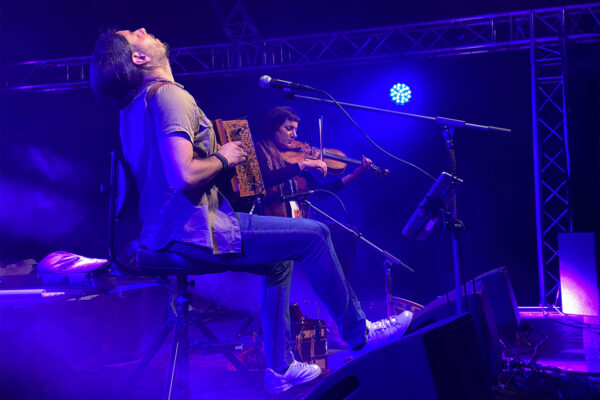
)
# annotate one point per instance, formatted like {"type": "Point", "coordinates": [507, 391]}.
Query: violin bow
{"type": "Point", "coordinates": [321, 137]}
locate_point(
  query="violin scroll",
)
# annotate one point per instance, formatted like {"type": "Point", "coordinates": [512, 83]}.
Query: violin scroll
{"type": "Point", "coordinates": [382, 173]}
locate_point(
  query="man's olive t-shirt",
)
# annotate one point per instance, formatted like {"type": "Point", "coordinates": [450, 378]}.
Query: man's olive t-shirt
{"type": "Point", "coordinates": [202, 216]}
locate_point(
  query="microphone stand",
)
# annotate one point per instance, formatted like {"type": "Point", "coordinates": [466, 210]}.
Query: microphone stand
{"type": "Point", "coordinates": [454, 225]}
{"type": "Point", "coordinates": [291, 95]}
{"type": "Point", "coordinates": [388, 261]}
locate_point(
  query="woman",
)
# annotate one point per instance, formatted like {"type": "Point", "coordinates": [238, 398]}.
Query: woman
{"type": "Point", "coordinates": [282, 178]}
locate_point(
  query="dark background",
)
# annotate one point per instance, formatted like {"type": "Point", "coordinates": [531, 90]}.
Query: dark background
{"type": "Point", "coordinates": [55, 147]}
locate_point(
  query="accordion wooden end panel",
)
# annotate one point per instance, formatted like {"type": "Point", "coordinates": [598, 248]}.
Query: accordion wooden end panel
{"type": "Point", "coordinates": [248, 179]}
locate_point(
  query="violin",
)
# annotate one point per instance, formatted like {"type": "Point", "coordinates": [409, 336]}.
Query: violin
{"type": "Point", "coordinates": [335, 159]}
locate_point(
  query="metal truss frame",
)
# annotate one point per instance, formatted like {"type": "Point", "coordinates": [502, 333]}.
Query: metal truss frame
{"type": "Point", "coordinates": [542, 32]}
{"type": "Point", "coordinates": [494, 32]}
{"type": "Point", "coordinates": [236, 21]}
{"type": "Point", "coordinates": [548, 61]}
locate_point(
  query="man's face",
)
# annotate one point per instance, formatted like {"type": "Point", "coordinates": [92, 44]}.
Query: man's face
{"type": "Point", "coordinates": [285, 135]}
{"type": "Point", "coordinates": [148, 45]}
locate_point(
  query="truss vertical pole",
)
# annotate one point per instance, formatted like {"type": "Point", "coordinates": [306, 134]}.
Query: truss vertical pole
{"type": "Point", "coordinates": [550, 147]}
{"type": "Point", "coordinates": [563, 48]}
{"type": "Point", "coordinates": [536, 163]}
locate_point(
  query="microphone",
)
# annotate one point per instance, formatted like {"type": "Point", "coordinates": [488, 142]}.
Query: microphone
{"type": "Point", "coordinates": [266, 81]}
{"type": "Point", "coordinates": [296, 195]}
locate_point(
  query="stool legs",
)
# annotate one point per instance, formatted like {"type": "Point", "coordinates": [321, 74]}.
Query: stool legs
{"type": "Point", "coordinates": [178, 371]}
{"type": "Point", "coordinates": [176, 383]}
{"type": "Point", "coordinates": [177, 378]}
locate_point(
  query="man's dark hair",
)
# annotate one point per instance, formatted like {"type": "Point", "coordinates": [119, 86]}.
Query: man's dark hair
{"type": "Point", "coordinates": [115, 78]}
{"type": "Point", "coordinates": [275, 118]}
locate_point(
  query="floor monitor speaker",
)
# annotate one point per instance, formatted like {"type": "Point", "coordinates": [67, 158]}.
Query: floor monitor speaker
{"type": "Point", "coordinates": [441, 361]}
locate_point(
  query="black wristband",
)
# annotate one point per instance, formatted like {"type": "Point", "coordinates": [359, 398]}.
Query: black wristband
{"type": "Point", "coordinates": [221, 158]}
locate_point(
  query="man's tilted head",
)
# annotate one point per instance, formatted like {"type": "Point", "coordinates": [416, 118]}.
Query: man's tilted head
{"type": "Point", "coordinates": [123, 60]}
{"type": "Point", "coordinates": [115, 78]}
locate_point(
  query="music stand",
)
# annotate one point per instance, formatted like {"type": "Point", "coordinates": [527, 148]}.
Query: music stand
{"type": "Point", "coordinates": [438, 202]}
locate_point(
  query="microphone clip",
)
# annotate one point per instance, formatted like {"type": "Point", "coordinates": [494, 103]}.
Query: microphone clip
{"type": "Point", "coordinates": [293, 196]}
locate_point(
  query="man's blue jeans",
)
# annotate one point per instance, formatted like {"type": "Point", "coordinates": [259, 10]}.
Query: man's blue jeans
{"type": "Point", "coordinates": [266, 242]}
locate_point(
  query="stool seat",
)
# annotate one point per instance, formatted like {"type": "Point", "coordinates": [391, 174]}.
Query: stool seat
{"type": "Point", "coordinates": [137, 259]}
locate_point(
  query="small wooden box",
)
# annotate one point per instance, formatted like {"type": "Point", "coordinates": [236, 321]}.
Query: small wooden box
{"type": "Point", "coordinates": [311, 341]}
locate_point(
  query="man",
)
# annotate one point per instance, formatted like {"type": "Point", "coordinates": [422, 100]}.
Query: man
{"type": "Point", "coordinates": [170, 145]}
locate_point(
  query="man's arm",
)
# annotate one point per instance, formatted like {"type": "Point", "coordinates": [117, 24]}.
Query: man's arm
{"type": "Point", "coordinates": [183, 172]}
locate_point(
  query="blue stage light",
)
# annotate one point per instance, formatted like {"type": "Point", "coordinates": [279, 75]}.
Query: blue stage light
{"type": "Point", "coordinates": [400, 93]}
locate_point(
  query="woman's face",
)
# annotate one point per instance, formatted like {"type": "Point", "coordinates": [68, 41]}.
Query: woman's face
{"type": "Point", "coordinates": [285, 135]}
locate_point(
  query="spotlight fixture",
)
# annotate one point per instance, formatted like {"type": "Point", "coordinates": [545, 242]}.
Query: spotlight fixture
{"type": "Point", "coordinates": [400, 93]}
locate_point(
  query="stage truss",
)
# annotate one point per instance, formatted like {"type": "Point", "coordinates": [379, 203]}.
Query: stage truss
{"type": "Point", "coordinates": [543, 32]}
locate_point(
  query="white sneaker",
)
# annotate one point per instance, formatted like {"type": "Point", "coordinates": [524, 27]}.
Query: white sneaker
{"type": "Point", "coordinates": [385, 331]}
{"type": "Point", "coordinates": [297, 373]}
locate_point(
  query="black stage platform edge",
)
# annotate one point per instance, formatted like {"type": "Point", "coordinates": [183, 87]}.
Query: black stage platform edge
{"type": "Point", "coordinates": [441, 361]}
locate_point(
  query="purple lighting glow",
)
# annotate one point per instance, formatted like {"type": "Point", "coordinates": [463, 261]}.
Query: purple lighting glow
{"type": "Point", "coordinates": [578, 276]}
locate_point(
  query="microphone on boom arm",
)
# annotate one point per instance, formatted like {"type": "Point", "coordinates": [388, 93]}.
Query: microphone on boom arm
{"type": "Point", "coordinates": [266, 81]}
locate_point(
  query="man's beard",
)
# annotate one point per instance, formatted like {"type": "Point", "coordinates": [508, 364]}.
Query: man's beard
{"type": "Point", "coordinates": [163, 56]}
{"type": "Point", "coordinates": [160, 55]}
{"type": "Point", "coordinates": [167, 50]}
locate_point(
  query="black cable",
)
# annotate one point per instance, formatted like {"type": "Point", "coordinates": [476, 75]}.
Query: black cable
{"type": "Point", "coordinates": [536, 348]}
{"type": "Point", "coordinates": [543, 368]}
{"type": "Point", "coordinates": [531, 380]}
{"type": "Point", "coordinates": [371, 140]}
{"type": "Point", "coordinates": [343, 208]}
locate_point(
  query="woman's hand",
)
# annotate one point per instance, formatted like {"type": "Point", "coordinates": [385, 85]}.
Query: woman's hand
{"type": "Point", "coordinates": [313, 165]}
{"type": "Point", "coordinates": [366, 164]}
{"type": "Point", "coordinates": [358, 171]}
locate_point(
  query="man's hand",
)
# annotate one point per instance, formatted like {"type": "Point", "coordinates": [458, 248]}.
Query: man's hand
{"type": "Point", "coordinates": [234, 153]}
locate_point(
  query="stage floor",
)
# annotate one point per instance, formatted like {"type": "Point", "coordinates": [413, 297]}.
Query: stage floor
{"type": "Point", "coordinates": [555, 355]}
